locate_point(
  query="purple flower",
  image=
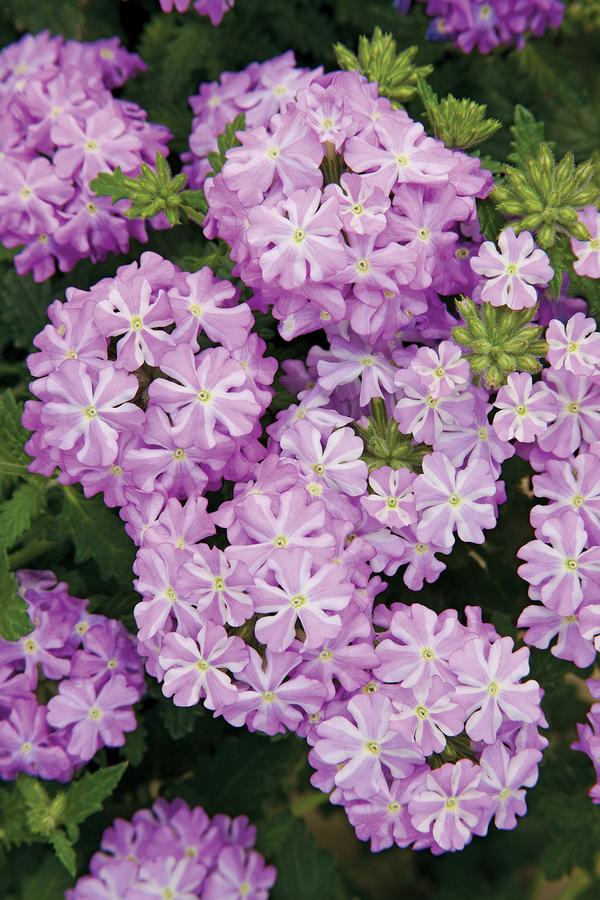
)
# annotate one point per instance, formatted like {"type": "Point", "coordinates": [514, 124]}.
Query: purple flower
{"type": "Point", "coordinates": [573, 641]}
{"type": "Point", "coordinates": [424, 416]}
{"type": "Point", "coordinates": [202, 394]}
{"type": "Point", "coordinates": [338, 465]}
{"type": "Point", "coordinates": [290, 152]}
{"type": "Point", "coordinates": [129, 311]}
{"type": "Point", "coordinates": [361, 205]}
{"type": "Point", "coordinates": [89, 409]}
{"type": "Point", "coordinates": [194, 668]}
{"type": "Point", "coordinates": [239, 873]}
{"type": "Point", "coordinates": [588, 252]}
{"type": "Point", "coordinates": [450, 804]}
{"type": "Point", "coordinates": [392, 501]}
{"type": "Point", "coordinates": [201, 302]}
{"type": "Point", "coordinates": [574, 345]}
{"type": "Point", "coordinates": [560, 564]}
{"type": "Point", "coordinates": [525, 409]}
{"type": "Point", "coordinates": [513, 271]}
{"type": "Point", "coordinates": [427, 641]}
{"type": "Point", "coordinates": [426, 714]}
{"type": "Point", "coordinates": [219, 586]}
{"type": "Point", "coordinates": [449, 500]}
{"type": "Point", "coordinates": [504, 778]}
{"type": "Point", "coordinates": [26, 744]}
{"type": "Point", "coordinates": [305, 241]}
{"type": "Point", "coordinates": [365, 746]}
{"type": "Point", "coordinates": [300, 595]}
{"type": "Point", "coordinates": [489, 686]}
{"type": "Point", "coordinates": [443, 372]}
{"type": "Point", "coordinates": [94, 717]}
{"type": "Point", "coordinates": [578, 416]}
{"type": "Point", "coordinates": [272, 702]}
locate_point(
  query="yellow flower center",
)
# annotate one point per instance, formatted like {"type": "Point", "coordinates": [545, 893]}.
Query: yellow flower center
{"type": "Point", "coordinates": [369, 688]}
{"type": "Point", "coordinates": [92, 146]}
{"type": "Point", "coordinates": [202, 665]}
{"type": "Point", "coordinates": [95, 713]}
{"type": "Point", "coordinates": [171, 594]}
{"type": "Point", "coordinates": [219, 583]}
{"type": "Point", "coordinates": [318, 469]}
{"type": "Point", "coordinates": [107, 53]}
{"type": "Point", "coordinates": [422, 712]}
{"type": "Point", "coordinates": [511, 269]}
{"type": "Point", "coordinates": [116, 470]}
{"type": "Point", "coordinates": [90, 412]}
{"type": "Point", "coordinates": [297, 601]}
{"type": "Point", "coordinates": [424, 234]}
{"type": "Point", "coordinates": [421, 548]}
{"type": "Point", "coordinates": [392, 502]}
{"type": "Point", "coordinates": [269, 696]}
{"type": "Point", "coordinates": [27, 747]}
{"type": "Point", "coordinates": [71, 354]}
{"type": "Point", "coordinates": [374, 748]}
{"type": "Point", "coordinates": [82, 628]}
{"type": "Point", "coordinates": [325, 655]}
{"type": "Point", "coordinates": [281, 541]}
{"type": "Point", "coordinates": [493, 688]}
{"type": "Point", "coordinates": [439, 372]}
{"type": "Point", "coordinates": [362, 265]}
{"type": "Point", "coordinates": [577, 500]}
{"type": "Point", "coordinates": [573, 408]}
{"type": "Point", "coordinates": [179, 453]}
{"type": "Point", "coordinates": [394, 807]}
{"type": "Point", "coordinates": [273, 152]}
{"type": "Point", "coordinates": [366, 360]}
{"type": "Point", "coordinates": [521, 409]}
{"type": "Point", "coordinates": [91, 207]}
{"type": "Point", "coordinates": [482, 434]}
{"type": "Point", "coordinates": [402, 160]}
{"type": "Point", "coordinates": [595, 244]}
{"type": "Point", "coordinates": [195, 310]}
{"type": "Point", "coordinates": [432, 402]}
{"type": "Point", "coordinates": [428, 654]}
{"type": "Point", "coordinates": [461, 253]}
{"type": "Point", "coordinates": [112, 664]}
{"type": "Point", "coordinates": [203, 396]}
{"type": "Point", "coordinates": [572, 346]}
{"type": "Point", "coordinates": [571, 565]}
{"type": "Point", "coordinates": [26, 193]}
{"type": "Point", "coordinates": [299, 235]}
{"type": "Point", "coordinates": [358, 209]}
{"type": "Point", "coordinates": [451, 803]}
{"type": "Point", "coordinates": [30, 646]}
{"type": "Point", "coordinates": [454, 500]}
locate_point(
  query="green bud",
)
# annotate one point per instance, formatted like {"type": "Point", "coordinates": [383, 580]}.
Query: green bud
{"type": "Point", "coordinates": [384, 443]}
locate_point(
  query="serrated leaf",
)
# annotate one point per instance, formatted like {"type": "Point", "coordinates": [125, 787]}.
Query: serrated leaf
{"type": "Point", "coordinates": [18, 512]}
{"type": "Point", "coordinates": [14, 620]}
{"type": "Point", "coordinates": [86, 795]}
{"type": "Point", "coordinates": [64, 850]}
{"type": "Point", "coordinates": [97, 534]}
{"type": "Point", "coordinates": [49, 881]}
{"type": "Point", "coordinates": [226, 140]}
{"type": "Point", "coordinates": [304, 871]}
{"type": "Point", "coordinates": [527, 135]}
{"type": "Point", "coordinates": [561, 259]}
{"type": "Point", "coordinates": [13, 821]}
{"type": "Point", "coordinates": [13, 459]}
{"type": "Point", "coordinates": [179, 720]}
{"type": "Point", "coordinates": [23, 307]}
{"type": "Point", "coordinates": [490, 220]}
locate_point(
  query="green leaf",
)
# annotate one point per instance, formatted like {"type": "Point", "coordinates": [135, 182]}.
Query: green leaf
{"type": "Point", "coordinates": [179, 720]}
{"type": "Point", "coordinates": [18, 512]}
{"type": "Point", "coordinates": [14, 620]}
{"type": "Point", "coordinates": [23, 307]}
{"type": "Point", "coordinates": [13, 459]}
{"type": "Point", "coordinates": [490, 220]}
{"type": "Point", "coordinates": [561, 259]}
{"type": "Point", "coordinates": [97, 534]}
{"type": "Point", "coordinates": [136, 744]}
{"type": "Point", "coordinates": [86, 795]}
{"type": "Point", "coordinates": [527, 135]}
{"type": "Point", "coordinates": [49, 881]}
{"type": "Point", "coordinates": [13, 820]}
{"type": "Point", "coordinates": [63, 848]}
{"type": "Point", "coordinates": [226, 140]}
{"type": "Point", "coordinates": [304, 871]}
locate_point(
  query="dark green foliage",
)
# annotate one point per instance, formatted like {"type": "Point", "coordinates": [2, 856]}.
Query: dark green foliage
{"type": "Point", "coordinates": [547, 98]}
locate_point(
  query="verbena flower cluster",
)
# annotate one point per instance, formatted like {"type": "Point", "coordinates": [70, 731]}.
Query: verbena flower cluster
{"type": "Point", "coordinates": [342, 210]}
{"type": "Point", "coordinates": [589, 736]}
{"type": "Point", "coordinates": [172, 851]}
{"type": "Point", "coordinates": [443, 739]}
{"type": "Point", "coordinates": [483, 25]}
{"type": "Point", "coordinates": [258, 92]}
{"type": "Point", "coordinates": [61, 126]}
{"type": "Point", "coordinates": [135, 400]}
{"type": "Point", "coordinates": [214, 9]}
{"type": "Point", "coordinates": [67, 688]}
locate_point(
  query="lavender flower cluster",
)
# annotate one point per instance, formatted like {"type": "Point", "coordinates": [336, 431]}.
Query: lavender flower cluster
{"type": "Point", "coordinates": [373, 252]}
{"type": "Point", "coordinates": [442, 740]}
{"type": "Point", "coordinates": [131, 396]}
{"type": "Point", "coordinates": [61, 126]}
{"type": "Point", "coordinates": [589, 736]}
{"type": "Point", "coordinates": [258, 92]}
{"type": "Point", "coordinates": [214, 9]}
{"type": "Point", "coordinates": [485, 24]}
{"type": "Point", "coordinates": [67, 688]}
{"type": "Point", "coordinates": [172, 851]}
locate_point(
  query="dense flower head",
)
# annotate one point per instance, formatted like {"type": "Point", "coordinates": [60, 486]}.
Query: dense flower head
{"type": "Point", "coordinates": [340, 210]}
{"type": "Point", "coordinates": [149, 385]}
{"type": "Point", "coordinates": [175, 851]}
{"type": "Point", "coordinates": [258, 92]}
{"type": "Point", "coordinates": [67, 688]}
{"type": "Point", "coordinates": [214, 9]}
{"type": "Point", "coordinates": [61, 126]}
{"type": "Point", "coordinates": [441, 740]}
{"type": "Point", "coordinates": [483, 25]}
{"type": "Point", "coordinates": [589, 736]}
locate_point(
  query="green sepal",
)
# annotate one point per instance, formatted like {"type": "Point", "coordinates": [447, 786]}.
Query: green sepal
{"type": "Point", "coordinates": [459, 123]}
{"type": "Point", "coordinates": [384, 443]}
